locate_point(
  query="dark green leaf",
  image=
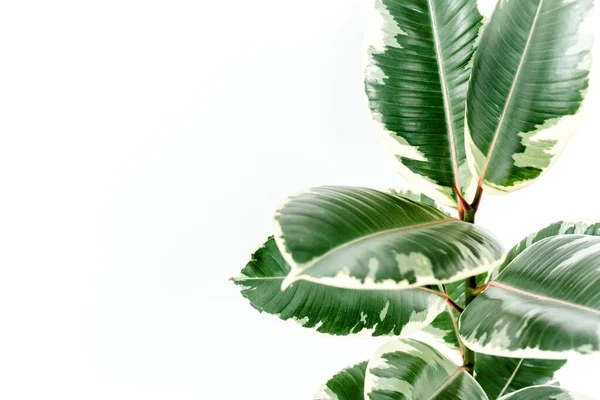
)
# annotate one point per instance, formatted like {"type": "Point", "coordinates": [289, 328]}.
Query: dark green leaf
{"type": "Point", "coordinates": [530, 75]}
{"type": "Point", "coordinates": [499, 376]}
{"type": "Point", "coordinates": [416, 83]}
{"type": "Point", "coordinates": [544, 304]}
{"type": "Point", "coordinates": [329, 309]}
{"type": "Point", "coordinates": [409, 369]}
{"type": "Point", "coordinates": [348, 384]}
{"type": "Point", "coordinates": [544, 393]}
{"type": "Point", "coordinates": [554, 229]}
{"type": "Point", "coordinates": [362, 238]}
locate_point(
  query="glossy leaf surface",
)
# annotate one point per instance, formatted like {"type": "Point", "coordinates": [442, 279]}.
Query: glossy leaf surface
{"type": "Point", "coordinates": [544, 304]}
{"type": "Point", "coordinates": [554, 229]}
{"type": "Point", "coordinates": [333, 310]}
{"type": "Point", "coordinates": [500, 376]}
{"type": "Point", "coordinates": [529, 78]}
{"type": "Point", "coordinates": [409, 369]}
{"type": "Point", "coordinates": [362, 238]}
{"type": "Point", "coordinates": [544, 393]}
{"type": "Point", "coordinates": [348, 384]}
{"type": "Point", "coordinates": [496, 375]}
{"type": "Point", "coordinates": [416, 82]}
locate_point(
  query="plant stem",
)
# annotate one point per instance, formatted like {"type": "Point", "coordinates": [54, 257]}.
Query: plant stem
{"type": "Point", "coordinates": [469, 355]}
{"type": "Point", "coordinates": [467, 213]}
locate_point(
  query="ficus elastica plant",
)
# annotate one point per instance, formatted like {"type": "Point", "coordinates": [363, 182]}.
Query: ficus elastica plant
{"type": "Point", "coordinates": [469, 107]}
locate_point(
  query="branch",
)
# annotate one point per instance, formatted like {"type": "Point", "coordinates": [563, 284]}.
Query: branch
{"type": "Point", "coordinates": [443, 296]}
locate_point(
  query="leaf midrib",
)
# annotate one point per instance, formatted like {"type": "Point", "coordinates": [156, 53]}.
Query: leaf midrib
{"type": "Point", "coordinates": [542, 297]}
{"type": "Point", "coordinates": [446, 383]}
{"type": "Point", "coordinates": [445, 95]}
{"type": "Point", "coordinates": [313, 262]}
{"type": "Point", "coordinates": [281, 278]}
{"type": "Point", "coordinates": [510, 379]}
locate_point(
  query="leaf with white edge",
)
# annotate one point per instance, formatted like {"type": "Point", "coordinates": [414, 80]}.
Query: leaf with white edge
{"type": "Point", "coordinates": [419, 198]}
{"type": "Point", "coordinates": [500, 376]}
{"type": "Point", "coordinates": [529, 78]}
{"type": "Point", "coordinates": [333, 310]}
{"type": "Point", "coordinates": [348, 384]}
{"type": "Point", "coordinates": [544, 392]}
{"type": "Point", "coordinates": [554, 229]}
{"type": "Point", "coordinates": [496, 375]}
{"type": "Point", "coordinates": [416, 82]}
{"type": "Point", "coordinates": [365, 239]}
{"type": "Point", "coordinates": [445, 328]}
{"type": "Point", "coordinates": [445, 325]}
{"type": "Point", "coordinates": [544, 304]}
{"type": "Point", "coordinates": [409, 369]}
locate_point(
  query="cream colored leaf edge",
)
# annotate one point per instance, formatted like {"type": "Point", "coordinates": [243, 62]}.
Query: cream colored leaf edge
{"type": "Point", "coordinates": [401, 345]}
{"type": "Point", "coordinates": [574, 396]}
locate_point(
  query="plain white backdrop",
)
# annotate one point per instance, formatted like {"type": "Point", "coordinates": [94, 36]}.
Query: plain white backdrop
{"type": "Point", "coordinates": [144, 147]}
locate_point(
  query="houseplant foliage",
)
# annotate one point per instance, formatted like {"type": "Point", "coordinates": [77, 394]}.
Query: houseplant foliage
{"type": "Point", "coordinates": [468, 107]}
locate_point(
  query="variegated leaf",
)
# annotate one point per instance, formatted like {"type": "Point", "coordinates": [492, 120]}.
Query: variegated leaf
{"type": "Point", "coordinates": [445, 328]}
{"type": "Point", "coordinates": [496, 375]}
{"type": "Point", "coordinates": [416, 82]}
{"type": "Point", "coordinates": [362, 238]}
{"type": "Point", "coordinates": [544, 304]}
{"type": "Point", "coordinates": [554, 229]}
{"type": "Point", "coordinates": [419, 198]}
{"type": "Point", "coordinates": [445, 325]}
{"type": "Point", "coordinates": [500, 376]}
{"type": "Point", "coordinates": [348, 384]}
{"type": "Point", "coordinates": [544, 392]}
{"type": "Point", "coordinates": [529, 77]}
{"type": "Point", "coordinates": [409, 369]}
{"type": "Point", "coordinates": [333, 310]}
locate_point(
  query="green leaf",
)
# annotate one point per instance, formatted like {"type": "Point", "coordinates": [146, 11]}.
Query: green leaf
{"type": "Point", "coordinates": [445, 325]}
{"type": "Point", "coordinates": [419, 198]}
{"type": "Point", "coordinates": [502, 375]}
{"type": "Point", "coordinates": [529, 77]}
{"type": "Point", "coordinates": [544, 393]}
{"type": "Point", "coordinates": [348, 384]}
{"type": "Point", "coordinates": [496, 375]}
{"type": "Point", "coordinates": [416, 82]}
{"type": "Point", "coordinates": [332, 310]}
{"type": "Point", "coordinates": [545, 304]}
{"type": "Point", "coordinates": [409, 369]}
{"type": "Point", "coordinates": [362, 238]}
{"type": "Point", "coordinates": [554, 229]}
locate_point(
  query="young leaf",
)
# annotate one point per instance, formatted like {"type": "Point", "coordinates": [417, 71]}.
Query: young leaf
{"type": "Point", "coordinates": [409, 369]}
{"type": "Point", "coordinates": [348, 384]}
{"type": "Point", "coordinates": [332, 310]}
{"type": "Point", "coordinates": [416, 82]}
{"type": "Point", "coordinates": [544, 392]}
{"type": "Point", "coordinates": [362, 238]}
{"type": "Point", "coordinates": [529, 77]}
{"type": "Point", "coordinates": [545, 304]}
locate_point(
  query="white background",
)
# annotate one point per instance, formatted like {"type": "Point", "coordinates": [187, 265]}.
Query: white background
{"type": "Point", "coordinates": [145, 145]}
